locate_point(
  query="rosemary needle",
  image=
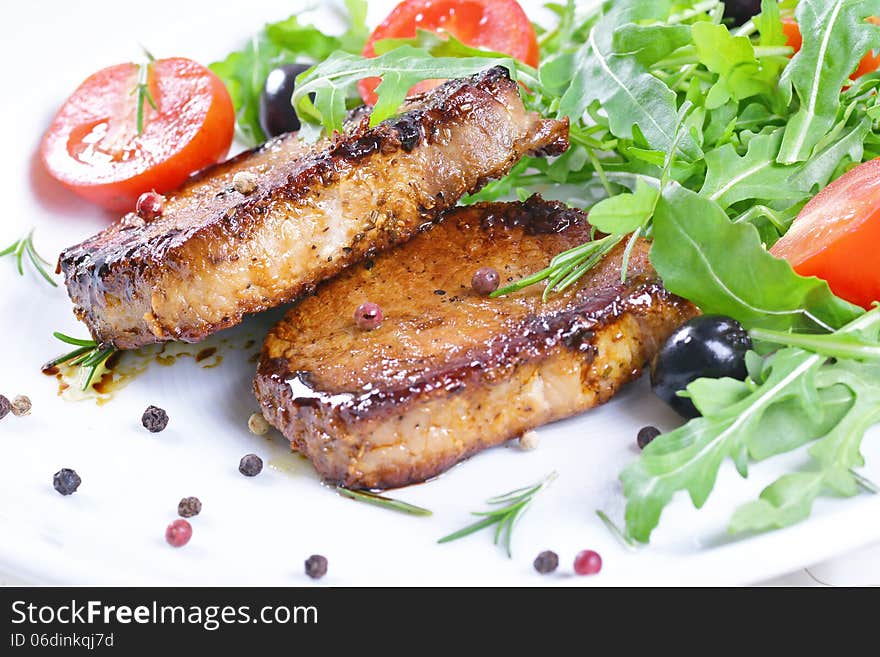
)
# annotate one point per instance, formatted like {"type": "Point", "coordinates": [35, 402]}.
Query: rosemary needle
{"type": "Point", "coordinates": [515, 503]}
{"type": "Point", "coordinates": [142, 89]}
{"type": "Point", "coordinates": [88, 356]}
{"type": "Point", "coordinates": [25, 247]}
{"type": "Point", "coordinates": [615, 530]}
{"type": "Point", "coordinates": [566, 268]}
{"type": "Point", "coordinates": [865, 483]}
{"type": "Point", "coordinates": [384, 502]}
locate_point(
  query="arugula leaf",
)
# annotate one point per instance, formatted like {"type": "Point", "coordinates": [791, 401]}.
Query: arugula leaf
{"type": "Point", "coordinates": [649, 44]}
{"type": "Point", "coordinates": [723, 268]}
{"type": "Point", "coordinates": [357, 32]}
{"type": "Point", "coordinates": [295, 38]}
{"type": "Point", "coordinates": [334, 78]}
{"type": "Point", "coordinates": [836, 36]}
{"type": "Point", "coordinates": [756, 175]}
{"type": "Point", "coordinates": [769, 24]}
{"type": "Point", "coordinates": [791, 398]}
{"type": "Point", "coordinates": [575, 19]}
{"type": "Point", "coordinates": [740, 74]}
{"type": "Point", "coordinates": [845, 384]}
{"type": "Point", "coordinates": [826, 164]}
{"type": "Point", "coordinates": [627, 92]}
{"type": "Point", "coordinates": [244, 72]}
{"type": "Point", "coordinates": [437, 46]}
{"type": "Point", "coordinates": [785, 502]}
{"type": "Point", "coordinates": [688, 458]}
{"type": "Point", "coordinates": [624, 213]}
{"type": "Point", "coordinates": [771, 223]}
{"type": "Point", "coordinates": [838, 452]}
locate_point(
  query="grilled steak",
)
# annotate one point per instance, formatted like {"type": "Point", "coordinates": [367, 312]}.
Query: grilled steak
{"type": "Point", "coordinates": [217, 254]}
{"type": "Point", "coordinates": [449, 373]}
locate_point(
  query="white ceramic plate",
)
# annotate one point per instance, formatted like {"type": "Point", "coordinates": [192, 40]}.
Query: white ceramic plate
{"type": "Point", "coordinates": [259, 531]}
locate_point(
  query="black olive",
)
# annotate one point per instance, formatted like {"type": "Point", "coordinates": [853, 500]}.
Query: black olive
{"type": "Point", "coordinates": [277, 115]}
{"type": "Point", "coordinates": [739, 11]}
{"type": "Point", "coordinates": [711, 346]}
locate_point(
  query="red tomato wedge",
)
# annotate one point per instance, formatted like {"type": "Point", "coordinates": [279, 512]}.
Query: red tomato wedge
{"type": "Point", "coordinates": [498, 25]}
{"type": "Point", "coordinates": [93, 146]}
{"type": "Point", "coordinates": [837, 236]}
{"type": "Point", "coordinates": [869, 63]}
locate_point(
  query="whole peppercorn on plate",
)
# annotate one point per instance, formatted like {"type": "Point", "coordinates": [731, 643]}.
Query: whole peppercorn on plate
{"type": "Point", "coordinates": [93, 479]}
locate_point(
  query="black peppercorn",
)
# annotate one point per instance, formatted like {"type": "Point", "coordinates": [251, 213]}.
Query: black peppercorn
{"type": "Point", "coordinates": [66, 481]}
{"type": "Point", "coordinates": [546, 562]}
{"type": "Point", "coordinates": [316, 566]}
{"type": "Point", "coordinates": [154, 419]}
{"type": "Point", "coordinates": [5, 407]}
{"type": "Point", "coordinates": [189, 507]}
{"type": "Point", "coordinates": [646, 435]}
{"type": "Point", "coordinates": [250, 465]}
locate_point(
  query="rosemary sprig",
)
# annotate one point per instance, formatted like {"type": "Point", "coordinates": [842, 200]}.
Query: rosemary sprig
{"type": "Point", "coordinates": [88, 356]}
{"type": "Point", "coordinates": [142, 89]}
{"type": "Point", "coordinates": [566, 268]}
{"type": "Point", "coordinates": [25, 247]}
{"type": "Point", "coordinates": [865, 483]}
{"type": "Point", "coordinates": [384, 502]}
{"type": "Point", "coordinates": [618, 533]}
{"type": "Point", "coordinates": [515, 503]}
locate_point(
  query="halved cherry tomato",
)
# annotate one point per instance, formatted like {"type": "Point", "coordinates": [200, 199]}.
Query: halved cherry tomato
{"type": "Point", "coordinates": [837, 236]}
{"type": "Point", "coordinates": [792, 33]}
{"type": "Point", "coordinates": [499, 25]}
{"type": "Point", "coordinates": [869, 63]}
{"type": "Point", "coordinates": [93, 146]}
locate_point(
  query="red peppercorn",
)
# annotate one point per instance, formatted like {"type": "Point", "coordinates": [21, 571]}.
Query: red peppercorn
{"type": "Point", "coordinates": [150, 205]}
{"type": "Point", "coordinates": [178, 533]}
{"type": "Point", "coordinates": [485, 281]}
{"type": "Point", "coordinates": [587, 562]}
{"type": "Point", "coordinates": [368, 316]}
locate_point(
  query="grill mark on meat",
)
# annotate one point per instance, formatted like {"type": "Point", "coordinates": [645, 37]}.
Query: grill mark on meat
{"type": "Point", "coordinates": [446, 376]}
{"type": "Point", "coordinates": [216, 255]}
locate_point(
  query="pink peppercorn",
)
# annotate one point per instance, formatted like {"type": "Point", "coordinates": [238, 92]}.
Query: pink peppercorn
{"type": "Point", "coordinates": [150, 205]}
{"type": "Point", "coordinates": [587, 562]}
{"type": "Point", "coordinates": [485, 281]}
{"type": "Point", "coordinates": [178, 533]}
{"type": "Point", "coordinates": [368, 316]}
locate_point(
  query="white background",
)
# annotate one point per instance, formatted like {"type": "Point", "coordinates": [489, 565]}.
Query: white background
{"type": "Point", "coordinates": [260, 530]}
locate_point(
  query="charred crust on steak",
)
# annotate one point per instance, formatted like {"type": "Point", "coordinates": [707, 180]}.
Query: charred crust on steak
{"type": "Point", "coordinates": [123, 264]}
{"type": "Point", "coordinates": [535, 215]}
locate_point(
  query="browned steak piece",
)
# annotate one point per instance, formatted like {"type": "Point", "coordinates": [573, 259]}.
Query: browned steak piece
{"type": "Point", "coordinates": [449, 373]}
{"type": "Point", "coordinates": [217, 254]}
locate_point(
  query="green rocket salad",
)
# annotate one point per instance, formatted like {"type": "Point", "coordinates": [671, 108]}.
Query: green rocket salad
{"type": "Point", "coordinates": [707, 140]}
